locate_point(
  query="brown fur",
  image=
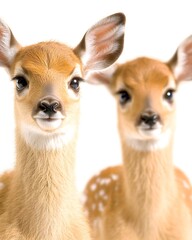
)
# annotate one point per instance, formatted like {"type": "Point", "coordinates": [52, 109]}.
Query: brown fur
{"type": "Point", "coordinates": [5, 179]}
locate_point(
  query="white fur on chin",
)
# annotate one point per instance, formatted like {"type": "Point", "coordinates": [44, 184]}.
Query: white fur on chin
{"type": "Point", "coordinates": [150, 144]}
{"type": "Point", "coordinates": [39, 139]}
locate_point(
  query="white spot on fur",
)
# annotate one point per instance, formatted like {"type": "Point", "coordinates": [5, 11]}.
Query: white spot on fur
{"type": "Point", "coordinates": [100, 207]}
{"type": "Point", "coordinates": [105, 181]}
{"type": "Point", "coordinates": [93, 187]}
{"type": "Point", "coordinates": [114, 177]}
{"type": "Point", "coordinates": [102, 192]}
{"type": "Point", "coordinates": [186, 185]}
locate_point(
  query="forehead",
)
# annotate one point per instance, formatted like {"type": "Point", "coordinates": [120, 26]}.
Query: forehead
{"type": "Point", "coordinates": [38, 58]}
{"type": "Point", "coordinates": [144, 72]}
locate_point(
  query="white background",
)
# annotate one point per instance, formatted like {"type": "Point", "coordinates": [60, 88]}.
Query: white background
{"type": "Point", "coordinates": [153, 28]}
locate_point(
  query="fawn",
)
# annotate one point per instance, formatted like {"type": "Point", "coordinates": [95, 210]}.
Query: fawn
{"type": "Point", "coordinates": [41, 201]}
{"type": "Point", "coordinates": [146, 198]}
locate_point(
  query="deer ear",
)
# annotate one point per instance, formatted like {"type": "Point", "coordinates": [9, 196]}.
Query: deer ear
{"type": "Point", "coordinates": [103, 43]}
{"type": "Point", "coordinates": [181, 62]}
{"type": "Point", "coordinates": [103, 77]}
{"type": "Point", "coordinates": [8, 45]}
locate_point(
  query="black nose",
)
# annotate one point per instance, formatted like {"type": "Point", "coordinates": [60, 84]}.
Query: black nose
{"type": "Point", "coordinates": [49, 106]}
{"type": "Point", "coordinates": [149, 119]}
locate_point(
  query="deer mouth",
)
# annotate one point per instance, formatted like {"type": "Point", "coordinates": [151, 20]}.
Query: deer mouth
{"type": "Point", "coordinates": [150, 131]}
{"type": "Point", "coordinates": [49, 123]}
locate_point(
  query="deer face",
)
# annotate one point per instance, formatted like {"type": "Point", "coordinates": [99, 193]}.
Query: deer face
{"type": "Point", "coordinates": [47, 80]}
{"type": "Point", "coordinates": [145, 89]}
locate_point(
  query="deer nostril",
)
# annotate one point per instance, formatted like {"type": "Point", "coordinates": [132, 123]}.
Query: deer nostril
{"type": "Point", "coordinates": [43, 106]}
{"type": "Point", "coordinates": [149, 119]}
{"type": "Point", "coordinates": [49, 107]}
{"type": "Point", "coordinates": [55, 106]}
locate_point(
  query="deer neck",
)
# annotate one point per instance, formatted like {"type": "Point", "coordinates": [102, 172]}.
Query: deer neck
{"type": "Point", "coordinates": [149, 182]}
{"type": "Point", "coordinates": [45, 203]}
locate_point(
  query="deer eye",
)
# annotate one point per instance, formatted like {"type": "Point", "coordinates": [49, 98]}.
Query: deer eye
{"type": "Point", "coordinates": [21, 83]}
{"type": "Point", "coordinates": [124, 97]}
{"type": "Point", "coordinates": [169, 95]}
{"type": "Point", "coordinates": [75, 83]}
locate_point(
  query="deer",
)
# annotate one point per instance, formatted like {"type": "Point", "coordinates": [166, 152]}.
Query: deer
{"type": "Point", "coordinates": [146, 197]}
{"type": "Point", "coordinates": [41, 199]}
